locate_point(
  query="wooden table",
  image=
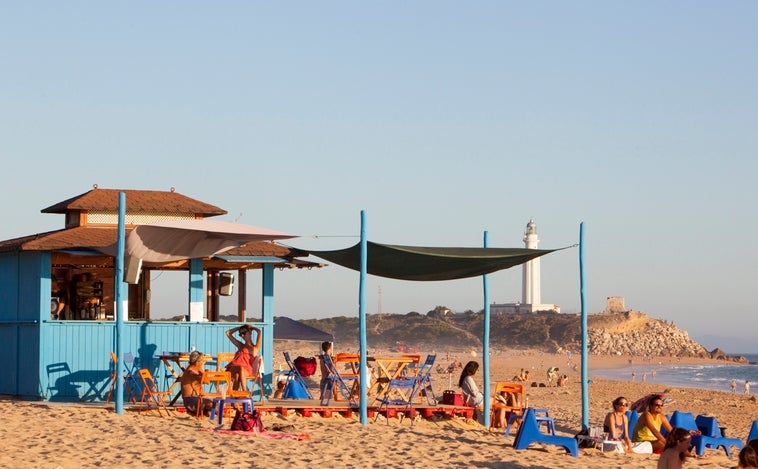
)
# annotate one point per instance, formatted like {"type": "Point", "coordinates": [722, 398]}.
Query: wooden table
{"type": "Point", "coordinates": [388, 368]}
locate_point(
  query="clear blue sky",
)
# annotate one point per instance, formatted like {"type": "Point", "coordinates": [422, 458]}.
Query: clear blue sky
{"type": "Point", "coordinates": [441, 119]}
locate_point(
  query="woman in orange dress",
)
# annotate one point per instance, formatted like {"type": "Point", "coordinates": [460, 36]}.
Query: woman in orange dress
{"type": "Point", "coordinates": [247, 360]}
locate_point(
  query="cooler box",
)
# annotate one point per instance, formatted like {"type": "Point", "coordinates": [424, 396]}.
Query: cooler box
{"type": "Point", "coordinates": [452, 398]}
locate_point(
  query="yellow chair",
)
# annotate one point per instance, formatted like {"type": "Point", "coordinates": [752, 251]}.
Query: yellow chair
{"type": "Point", "coordinates": [516, 390]}
{"type": "Point", "coordinates": [151, 394]}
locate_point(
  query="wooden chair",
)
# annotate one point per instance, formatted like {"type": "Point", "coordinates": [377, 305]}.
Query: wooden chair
{"type": "Point", "coordinates": [151, 394]}
{"type": "Point", "coordinates": [504, 388]}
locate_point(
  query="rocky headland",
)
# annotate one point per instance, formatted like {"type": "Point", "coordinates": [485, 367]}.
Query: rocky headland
{"type": "Point", "coordinates": [628, 333]}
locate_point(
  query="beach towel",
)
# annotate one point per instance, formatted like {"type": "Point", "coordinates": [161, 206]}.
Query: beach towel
{"type": "Point", "coordinates": [273, 435]}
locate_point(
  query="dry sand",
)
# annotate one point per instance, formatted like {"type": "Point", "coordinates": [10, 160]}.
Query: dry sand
{"type": "Point", "coordinates": [53, 435]}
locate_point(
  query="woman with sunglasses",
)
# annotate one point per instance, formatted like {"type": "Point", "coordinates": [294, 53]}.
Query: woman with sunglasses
{"type": "Point", "coordinates": [247, 360]}
{"type": "Point", "coordinates": [616, 424]}
{"type": "Point", "coordinates": [648, 427]}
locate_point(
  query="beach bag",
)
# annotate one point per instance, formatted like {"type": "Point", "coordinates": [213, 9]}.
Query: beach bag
{"type": "Point", "coordinates": [247, 422]}
{"type": "Point", "coordinates": [305, 366]}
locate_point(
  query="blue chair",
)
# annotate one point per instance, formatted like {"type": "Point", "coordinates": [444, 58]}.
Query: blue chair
{"type": "Point", "coordinates": [529, 432]}
{"type": "Point", "coordinates": [753, 432]}
{"type": "Point", "coordinates": [632, 416]}
{"type": "Point", "coordinates": [424, 379]}
{"type": "Point", "coordinates": [541, 415]}
{"type": "Point", "coordinates": [687, 421]}
{"type": "Point", "coordinates": [294, 376]}
{"type": "Point", "coordinates": [334, 379]}
{"type": "Point", "coordinates": [709, 427]}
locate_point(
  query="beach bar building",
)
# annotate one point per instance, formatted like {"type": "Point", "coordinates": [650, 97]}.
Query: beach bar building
{"type": "Point", "coordinates": [57, 297]}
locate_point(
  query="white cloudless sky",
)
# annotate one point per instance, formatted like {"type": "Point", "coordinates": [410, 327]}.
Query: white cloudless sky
{"type": "Point", "coordinates": [440, 119]}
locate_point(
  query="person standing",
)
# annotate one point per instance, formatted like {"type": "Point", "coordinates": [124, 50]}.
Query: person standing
{"type": "Point", "coordinates": [747, 387]}
{"type": "Point", "coordinates": [733, 385]}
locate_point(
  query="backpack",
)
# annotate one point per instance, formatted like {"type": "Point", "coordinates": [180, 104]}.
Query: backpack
{"type": "Point", "coordinates": [305, 366]}
{"type": "Point", "coordinates": [247, 422]}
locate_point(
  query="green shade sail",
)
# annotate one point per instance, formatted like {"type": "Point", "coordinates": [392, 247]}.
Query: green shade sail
{"type": "Point", "coordinates": [430, 263]}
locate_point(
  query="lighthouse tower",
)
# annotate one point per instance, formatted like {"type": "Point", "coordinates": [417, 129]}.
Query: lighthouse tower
{"type": "Point", "coordinates": [530, 284]}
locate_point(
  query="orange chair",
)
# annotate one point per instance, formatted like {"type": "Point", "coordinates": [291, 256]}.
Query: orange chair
{"type": "Point", "coordinates": [114, 375]}
{"type": "Point", "coordinates": [503, 389]}
{"type": "Point", "coordinates": [211, 385]}
{"type": "Point", "coordinates": [151, 394]}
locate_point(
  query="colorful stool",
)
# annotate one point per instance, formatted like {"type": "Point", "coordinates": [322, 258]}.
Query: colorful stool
{"type": "Point", "coordinates": [217, 410]}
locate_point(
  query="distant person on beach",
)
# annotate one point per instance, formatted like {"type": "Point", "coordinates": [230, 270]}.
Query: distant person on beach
{"type": "Point", "coordinates": [733, 385]}
{"type": "Point", "coordinates": [648, 427]}
{"type": "Point", "coordinates": [747, 387]}
{"type": "Point", "coordinates": [471, 395]}
{"type": "Point", "coordinates": [675, 450]}
{"type": "Point", "coordinates": [616, 424]}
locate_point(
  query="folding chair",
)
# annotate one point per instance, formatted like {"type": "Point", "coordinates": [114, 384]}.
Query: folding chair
{"type": "Point", "coordinates": [293, 375]}
{"type": "Point", "coordinates": [212, 384]}
{"type": "Point", "coordinates": [424, 378]}
{"type": "Point", "coordinates": [334, 379]}
{"type": "Point", "coordinates": [408, 386]}
{"type": "Point", "coordinates": [151, 394]}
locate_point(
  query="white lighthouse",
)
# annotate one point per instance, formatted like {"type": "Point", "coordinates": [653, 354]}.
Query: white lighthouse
{"type": "Point", "coordinates": [530, 286]}
{"type": "Point", "coordinates": [531, 300]}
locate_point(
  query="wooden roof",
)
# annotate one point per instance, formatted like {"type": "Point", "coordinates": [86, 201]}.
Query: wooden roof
{"type": "Point", "coordinates": [90, 238]}
{"type": "Point", "coordinates": [137, 201]}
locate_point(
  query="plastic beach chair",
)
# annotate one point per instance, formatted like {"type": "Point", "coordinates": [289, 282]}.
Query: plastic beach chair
{"type": "Point", "coordinates": [687, 421]}
{"type": "Point", "coordinates": [753, 434]}
{"type": "Point", "coordinates": [709, 427]}
{"type": "Point", "coordinates": [529, 432]}
{"type": "Point", "coordinates": [293, 375]}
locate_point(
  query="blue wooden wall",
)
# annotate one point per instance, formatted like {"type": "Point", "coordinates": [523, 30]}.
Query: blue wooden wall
{"type": "Point", "coordinates": [70, 360]}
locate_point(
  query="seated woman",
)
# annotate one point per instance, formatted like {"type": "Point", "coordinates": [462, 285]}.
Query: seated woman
{"type": "Point", "coordinates": [616, 424]}
{"type": "Point", "coordinates": [648, 427]}
{"type": "Point", "coordinates": [247, 361]}
{"type": "Point", "coordinates": [471, 395]}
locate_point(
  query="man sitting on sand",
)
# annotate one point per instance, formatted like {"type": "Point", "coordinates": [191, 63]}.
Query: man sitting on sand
{"type": "Point", "coordinates": [648, 427]}
{"type": "Point", "coordinates": [191, 384]}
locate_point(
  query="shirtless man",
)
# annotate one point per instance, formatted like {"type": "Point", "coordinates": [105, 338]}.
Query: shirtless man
{"type": "Point", "coordinates": [191, 383]}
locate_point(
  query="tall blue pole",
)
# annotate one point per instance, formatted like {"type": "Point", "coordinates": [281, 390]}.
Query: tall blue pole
{"type": "Point", "coordinates": [585, 367]}
{"type": "Point", "coordinates": [119, 294]}
{"type": "Point", "coordinates": [486, 343]}
{"type": "Point", "coordinates": [362, 321]}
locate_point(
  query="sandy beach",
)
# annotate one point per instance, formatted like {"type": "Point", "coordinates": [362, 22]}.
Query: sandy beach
{"type": "Point", "coordinates": [58, 435]}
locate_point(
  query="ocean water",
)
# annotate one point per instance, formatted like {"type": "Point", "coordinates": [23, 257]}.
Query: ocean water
{"type": "Point", "coordinates": [716, 377]}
